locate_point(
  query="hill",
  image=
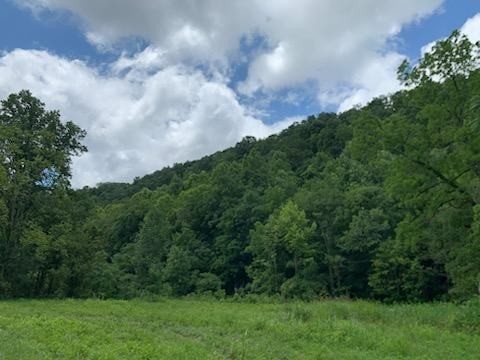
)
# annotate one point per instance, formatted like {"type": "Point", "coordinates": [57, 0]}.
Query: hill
{"type": "Point", "coordinates": [377, 202]}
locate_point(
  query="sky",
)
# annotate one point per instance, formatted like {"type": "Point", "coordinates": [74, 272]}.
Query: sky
{"type": "Point", "coordinates": [157, 82]}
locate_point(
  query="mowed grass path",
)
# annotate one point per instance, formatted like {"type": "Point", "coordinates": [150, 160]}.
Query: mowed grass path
{"type": "Point", "coordinates": [197, 329]}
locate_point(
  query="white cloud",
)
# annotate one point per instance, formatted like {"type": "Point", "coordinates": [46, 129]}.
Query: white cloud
{"type": "Point", "coordinates": [194, 31]}
{"type": "Point", "coordinates": [139, 121]}
{"type": "Point", "coordinates": [159, 106]}
{"type": "Point", "coordinates": [379, 77]}
{"type": "Point", "coordinates": [427, 48]}
{"type": "Point", "coordinates": [326, 40]}
{"type": "Point", "coordinates": [471, 28]}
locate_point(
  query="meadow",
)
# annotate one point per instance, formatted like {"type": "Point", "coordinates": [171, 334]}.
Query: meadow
{"type": "Point", "coordinates": [214, 329]}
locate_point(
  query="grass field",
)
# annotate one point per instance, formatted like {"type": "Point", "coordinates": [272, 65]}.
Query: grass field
{"type": "Point", "coordinates": [197, 329]}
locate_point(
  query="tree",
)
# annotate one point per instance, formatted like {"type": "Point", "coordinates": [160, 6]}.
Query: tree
{"type": "Point", "coordinates": [36, 150]}
{"type": "Point", "coordinates": [450, 58]}
{"type": "Point", "coordinates": [187, 258]}
{"type": "Point", "coordinates": [431, 138]}
{"type": "Point", "coordinates": [282, 251]}
{"type": "Point", "coordinates": [465, 266]}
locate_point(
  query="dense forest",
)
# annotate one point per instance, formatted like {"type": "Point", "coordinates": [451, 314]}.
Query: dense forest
{"type": "Point", "coordinates": [376, 202]}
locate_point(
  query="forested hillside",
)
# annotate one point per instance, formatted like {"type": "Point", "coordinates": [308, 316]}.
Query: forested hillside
{"type": "Point", "coordinates": [376, 202]}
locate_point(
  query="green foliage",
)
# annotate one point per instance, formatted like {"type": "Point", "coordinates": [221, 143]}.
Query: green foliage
{"type": "Point", "coordinates": [465, 266]}
{"type": "Point", "coordinates": [449, 58]}
{"type": "Point", "coordinates": [377, 202]}
{"type": "Point", "coordinates": [36, 150]}
{"type": "Point", "coordinates": [282, 252]}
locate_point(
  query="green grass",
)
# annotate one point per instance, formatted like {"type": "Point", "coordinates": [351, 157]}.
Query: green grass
{"type": "Point", "coordinates": [197, 329]}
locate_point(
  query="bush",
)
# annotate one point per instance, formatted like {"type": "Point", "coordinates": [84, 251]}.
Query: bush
{"type": "Point", "coordinates": [208, 282]}
{"type": "Point", "coordinates": [297, 288]}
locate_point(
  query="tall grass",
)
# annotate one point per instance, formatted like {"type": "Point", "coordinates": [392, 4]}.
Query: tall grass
{"type": "Point", "coordinates": [205, 329]}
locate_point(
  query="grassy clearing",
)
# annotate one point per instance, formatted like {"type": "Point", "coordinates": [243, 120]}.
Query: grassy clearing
{"type": "Point", "coordinates": [197, 329]}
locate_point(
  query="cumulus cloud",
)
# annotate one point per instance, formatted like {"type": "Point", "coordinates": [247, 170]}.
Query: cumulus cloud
{"type": "Point", "coordinates": [194, 31]}
{"type": "Point", "coordinates": [327, 40]}
{"type": "Point", "coordinates": [139, 117]}
{"type": "Point", "coordinates": [378, 77]}
{"type": "Point", "coordinates": [174, 100]}
{"type": "Point", "coordinates": [471, 28]}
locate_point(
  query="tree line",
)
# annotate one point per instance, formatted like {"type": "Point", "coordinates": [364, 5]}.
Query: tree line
{"type": "Point", "coordinates": [376, 202]}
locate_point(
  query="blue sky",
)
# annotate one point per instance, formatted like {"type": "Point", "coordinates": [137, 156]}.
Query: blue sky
{"type": "Point", "coordinates": [62, 34]}
{"type": "Point", "coordinates": [452, 16]}
{"type": "Point", "coordinates": [187, 80]}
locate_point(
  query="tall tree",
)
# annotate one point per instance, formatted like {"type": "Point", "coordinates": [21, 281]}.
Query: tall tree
{"type": "Point", "coordinates": [282, 253]}
{"type": "Point", "coordinates": [36, 150]}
